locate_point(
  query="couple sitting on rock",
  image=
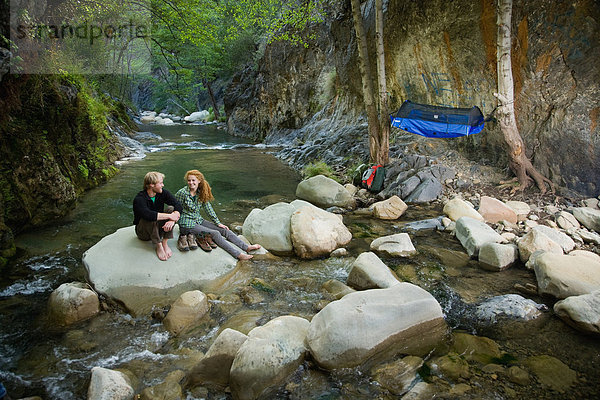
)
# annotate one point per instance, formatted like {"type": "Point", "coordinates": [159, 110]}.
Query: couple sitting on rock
{"type": "Point", "coordinates": [153, 222]}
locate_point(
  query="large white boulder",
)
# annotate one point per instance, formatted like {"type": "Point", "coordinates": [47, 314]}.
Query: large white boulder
{"type": "Point", "coordinates": [581, 312]}
{"type": "Point", "coordinates": [197, 116]}
{"type": "Point", "coordinates": [107, 384]}
{"type": "Point", "coordinates": [364, 326]}
{"type": "Point", "coordinates": [557, 236]}
{"type": "Point", "coordinates": [316, 232]}
{"type": "Point", "coordinates": [147, 119]}
{"type": "Point", "coordinates": [188, 308]}
{"type": "Point", "coordinates": [497, 256]}
{"type": "Point", "coordinates": [271, 353]}
{"type": "Point", "coordinates": [73, 302]}
{"type": "Point", "coordinates": [214, 368]}
{"type": "Point", "coordinates": [369, 272]}
{"type": "Point", "coordinates": [127, 269]}
{"type": "Point", "coordinates": [536, 240]}
{"type": "Point", "coordinates": [391, 208]}
{"type": "Point", "coordinates": [473, 234]}
{"type": "Point", "coordinates": [458, 208]}
{"type": "Point", "coordinates": [566, 275]}
{"type": "Point", "coordinates": [397, 245]}
{"type": "Point", "coordinates": [324, 192]}
{"type": "Point", "coordinates": [270, 227]}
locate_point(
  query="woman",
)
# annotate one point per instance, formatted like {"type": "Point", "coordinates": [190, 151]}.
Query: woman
{"type": "Point", "coordinates": [196, 196]}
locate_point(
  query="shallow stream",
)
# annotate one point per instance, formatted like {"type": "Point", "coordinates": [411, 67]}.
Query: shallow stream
{"type": "Point", "coordinates": [54, 363]}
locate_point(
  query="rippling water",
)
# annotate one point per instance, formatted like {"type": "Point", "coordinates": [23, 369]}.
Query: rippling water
{"type": "Point", "coordinates": [55, 363]}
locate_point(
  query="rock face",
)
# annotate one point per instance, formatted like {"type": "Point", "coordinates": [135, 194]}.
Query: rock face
{"type": "Point", "coordinates": [189, 307]}
{"type": "Point", "coordinates": [473, 234]}
{"type": "Point", "coordinates": [564, 276]}
{"type": "Point", "coordinates": [73, 302]}
{"type": "Point", "coordinates": [109, 384]}
{"type": "Point", "coordinates": [369, 272]}
{"type": "Point", "coordinates": [317, 233]}
{"type": "Point", "coordinates": [271, 353]}
{"type": "Point", "coordinates": [270, 227]}
{"type": "Point", "coordinates": [581, 312]}
{"type": "Point", "coordinates": [324, 192]}
{"type": "Point", "coordinates": [363, 326]}
{"type": "Point", "coordinates": [145, 276]}
{"type": "Point", "coordinates": [303, 97]}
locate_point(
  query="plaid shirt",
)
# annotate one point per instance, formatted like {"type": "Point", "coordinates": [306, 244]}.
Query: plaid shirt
{"type": "Point", "coordinates": [190, 217]}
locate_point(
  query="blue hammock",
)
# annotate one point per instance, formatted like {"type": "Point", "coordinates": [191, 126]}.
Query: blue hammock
{"type": "Point", "coordinates": [438, 122]}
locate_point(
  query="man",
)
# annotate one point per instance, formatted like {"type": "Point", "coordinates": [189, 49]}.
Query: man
{"type": "Point", "coordinates": [151, 220]}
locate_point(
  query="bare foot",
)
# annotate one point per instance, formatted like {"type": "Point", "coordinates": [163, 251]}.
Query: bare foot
{"type": "Point", "coordinates": [160, 252]}
{"type": "Point", "coordinates": [254, 247]}
{"type": "Point", "coordinates": [168, 250]}
{"type": "Point", "coordinates": [243, 256]}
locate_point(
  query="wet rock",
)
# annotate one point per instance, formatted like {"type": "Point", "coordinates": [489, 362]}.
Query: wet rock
{"type": "Point", "coordinates": [337, 289]}
{"type": "Point", "coordinates": [457, 208]}
{"type": "Point", "coordinates": [448, 257]}
{"type": "Point", "coordinates": [197, 116]}
{"type": "Point", "coordinates": [369, 272]}
{"type": "Point", "coordinates": [188, 308]}
{"type": "Point", "coordinates": [397, 377]}
{"type": "Point", "coordinates": [398, 245]}
{"type": "Point", "coordinates": [73, 302]}
{"type": "Point", "coordinates": [421, 391]}
{"type": "Point", "coordinates": [473, 234]}
{"type": "Point", "coordinates": [518, 375]}
{"type": "Point", "coordinates": [551, 372]}
{"type": "Point", "coordinates": [588, 217]}
{"type": "Point", "coordinates": [270, 227]}
{"type": "Point", "coordinates": [341, 252]}
{"type": "Point", "coordinates": [391, 208]}
{"type": "Point", "coordinates": [536, 240]}
{"type": "Point", "coordinates": [147, 119]}
{"type": "Point", "coordinates": [476, 348]}
{"type": "Point", "coordinates": [214, 368]}
{"type": "Point", "coordinates": [109, 384]}
{"type": "Point", "coordinates": [498, 257]}
{"type": "Point", "coordinates": [493, 210]}
{"type": "Point", "coordinates": [271, 353]}
{"type": "Point", "coordinates": [169, 389]}
{"type": "Point", "coordinates": [451, 366]}
{"type": "Point", "coordinates": [251, 295]}
{"type": "Point", "coordinates": [557, 236]}
{"type": "Point", "coordinates": [324, 192]}
{"type": "Point", "coordinates": [581, 312]}
{"type": "Point", "coordinates": [372, 324]}
{"type": "Point", "coordinates": [511, 306]}
{"type": "Point", "coordinates": [563, 276]}
{"type": "Point", "coordinates": [566, 220]}
{"type": "Point", "coordinates": [244, 321]}
{"type": "Point", "coordinates": [316, 232]}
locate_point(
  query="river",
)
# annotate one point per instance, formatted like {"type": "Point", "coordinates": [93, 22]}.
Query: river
{"type": "Point", "coordinates": [55, 363]}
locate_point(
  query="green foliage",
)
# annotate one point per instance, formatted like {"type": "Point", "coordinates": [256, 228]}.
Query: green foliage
{"type": "Point", "coordinates": [83, 169]}
{"type": "Point", "coordinates": [318, 168]}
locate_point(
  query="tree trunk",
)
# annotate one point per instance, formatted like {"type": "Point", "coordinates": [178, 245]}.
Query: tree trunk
{"type": "Point", "coordinates": [519, 162]}
{"type": "Point", "coordinates": [384, 114]}
{"type": "Point", "coordinates": [367, 83]}
{"type": "Point", "coordinates": [206, 84]}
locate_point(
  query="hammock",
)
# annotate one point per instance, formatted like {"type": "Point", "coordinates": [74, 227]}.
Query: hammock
{"type": "Point", "coordinates": [438, 122]}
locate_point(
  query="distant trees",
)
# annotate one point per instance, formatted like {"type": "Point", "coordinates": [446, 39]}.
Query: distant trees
{"type": "Point", "coordinates": [519, 163]}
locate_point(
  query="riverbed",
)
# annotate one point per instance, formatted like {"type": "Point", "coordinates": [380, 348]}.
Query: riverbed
{"type": "Point", "coordinates": [55, 363]}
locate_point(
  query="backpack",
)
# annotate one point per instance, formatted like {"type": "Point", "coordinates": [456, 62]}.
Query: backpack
{"type": "Point", "coordinates": [373, 177]}
{"type": "Point", "coordinates": [358, 173]}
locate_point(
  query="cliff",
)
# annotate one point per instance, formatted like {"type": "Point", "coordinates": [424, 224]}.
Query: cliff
{"type": "Point", "coordinates": [440, 53]}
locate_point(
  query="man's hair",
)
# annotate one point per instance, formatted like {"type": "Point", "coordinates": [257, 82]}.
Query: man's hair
{"type": "Point", "coordinates": [204, 192]}
{"type": "Point", "coordinates": [152, 178]}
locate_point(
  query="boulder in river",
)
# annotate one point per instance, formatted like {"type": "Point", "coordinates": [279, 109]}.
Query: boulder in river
{"type": "Point", "coordinates": [369, 272]}
{"type": "Point", "coordinates": [497, 256]}
{"type": "Point", "coordinates": [73, 302]}
{"type": "Point", "coordinates": [566, 275]}
{"type": "Point", "coordinates": [581, 312]}
{"type": "Point", "coordinates": [271, 353]}
{"type": "Point", "coordinates": [324, 192]}
{"type": "Point", "coordinates": [270, 227]}
{"type": "Point", "coordinates": [363, 327]}
{"type": "Point", "coordinates": [127, 269]}
{"type": "Point", "coordinates": [536, 240]}
{"type": "Point", "coordinates": [473, 234]}
{"type": "Point", "coordinates": [189, 307]}
{"type": "Point", "coordinates": [391, 208]}
{"type": "Point", "coordinates": [457, 208]}
{"type": "Point", "coordinates": [398, 245]}
{"type": "Point", "coordinates": [109, 384]}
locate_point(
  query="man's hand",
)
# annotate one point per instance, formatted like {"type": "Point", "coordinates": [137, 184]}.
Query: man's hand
{"type": "Point", "coordinates": [223, 226]}
{"type": "Point", "coordinates": [174, 216]}
{"type": "Point", "coordinates": [168, 226]}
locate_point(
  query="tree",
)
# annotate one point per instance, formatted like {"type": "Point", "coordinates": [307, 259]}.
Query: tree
{"type": "Point", "coordinates": [379, 122]}
{"type": "Point", "coordinates": [519, 163]}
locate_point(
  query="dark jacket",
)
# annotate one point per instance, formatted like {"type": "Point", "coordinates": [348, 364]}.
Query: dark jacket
{"type": "Point", "coordinates": [144, 208]}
